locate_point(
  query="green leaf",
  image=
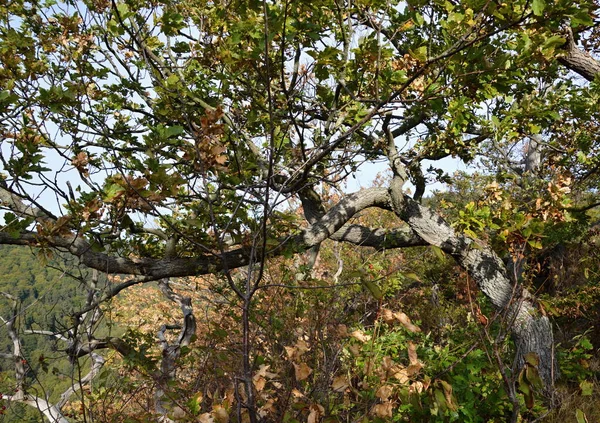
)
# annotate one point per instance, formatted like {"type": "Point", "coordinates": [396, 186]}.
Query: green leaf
{"type": "Point", "coordinates": [532, 359]}
{"type": "Point", "coordinates": [580, 416]}
{"type": "Point", "coordinates": [587, 388]}
{"type": "Point", "coordinates": [173, 131]}
{"type": "Point", "coordinates": [112, 192]}
{"type": "Point", "coordinates": [373, 288]}
{"type": "Point", "coordinates": [538, 7]}
{"type": "Point", "coordinates": [553, 42]}
{"type": "Point", "coordinates": [412, 276]}
{"type": "Point", "coordinates": [439, 253]}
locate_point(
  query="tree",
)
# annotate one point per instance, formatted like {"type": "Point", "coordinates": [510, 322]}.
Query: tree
{"type": "Point", "coordinates": [165, 139]}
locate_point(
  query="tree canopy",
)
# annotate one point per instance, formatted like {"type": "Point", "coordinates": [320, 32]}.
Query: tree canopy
{"type": "Point", "coordinates": [166, 139]}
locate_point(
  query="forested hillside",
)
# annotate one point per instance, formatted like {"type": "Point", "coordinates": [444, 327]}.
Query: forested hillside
{"type": "Point", "coordinates": [47, 294]}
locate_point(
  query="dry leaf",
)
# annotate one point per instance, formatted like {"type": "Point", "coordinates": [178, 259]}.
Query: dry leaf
{"type": "Point", "coordinates": [316, 411]}
{"type": "Point", "coordinates": [405, 320]}
{"type": "Point", "coordinates": [297, 394]}
{"type": "Point", "coordinates": [263, 371]}
{"type": "Point", "coordinates": [354, 349]}
{"type": "Point", "coordinates": [302, 371]}
{"type": "Point", "coordinates": [259, 383]}
{"type": "Point", "coordinates": [342, 330]}
{"type": "Point", "coordinates": [384, 392]}
{"type": "Point", "coordinates": [290, 351]}
{"type": "Point", "coordinates": [220, 414]}
{"type": "Point", "coordinates": [383, 410]}
{"type": "Point", "coordinates": [205, 418]}
{"type": "Point", "coordinates": [301, 347]}
{"type": "Point", "coordinates": [388, 316]}
{"type": "Point", "coordinates": [416, 386]}
{"type": "Point", "coordinates": [412, 353]}
{"type": "Point", "coordinates": [402, 376]}
{"type": "Point", "coordinates": [269, 407]}
{"type": "Point", "coordinates": [361, 336]}
{"type": "Point", "coordinates": [340, 383]}
{"type": "Point", "coordinates": [413, 369]}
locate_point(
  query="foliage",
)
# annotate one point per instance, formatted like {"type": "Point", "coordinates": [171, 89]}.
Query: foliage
{"type": "Point", "coordinates": [205, 150]}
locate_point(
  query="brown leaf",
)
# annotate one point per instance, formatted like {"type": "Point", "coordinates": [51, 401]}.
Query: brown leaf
{"type": "Point", "coordinates": [297, 394]}
{"type": "Point", "coordinates": [259, 383]}
{"type": "Point", "coordinates": [361, 336]}
{"type": "Point", "coordinates": [205, 418]}
{"type": "Point", "coordinates": [388, 316]}
{"type": "Point", "coordinates": [405, 320]}
{"type": "Point", "coordinates": [340, 383]}
{"type": "Point", "coordinates": [220, 414]}
{"type": "Point", "coordinates": [384, 392]}
{"type": "Point", "coordinates": [412, 353]}
{"type": "Point", "coordinates": [302, 371]}
{"type": "Point", "coordinates": [342, 331]}
{"type": "Point", "coordinates": [354, 349]}
{"type": "Point", "coordinates": [263, 371]}
{"type": "Point", "coordinates": [402, 375]}
{"type": "Point", "coordinates": [316, 411]}
{"type": "Point", "coordinates": [383, 410]}
{"type": "Point", "coordinates": [291, 352]}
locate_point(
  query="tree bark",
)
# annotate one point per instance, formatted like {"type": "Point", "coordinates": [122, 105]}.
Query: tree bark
{"type": "Point", "coordinates": [531, 330]}
{"type": "Point", "coordinates": [579, 61]}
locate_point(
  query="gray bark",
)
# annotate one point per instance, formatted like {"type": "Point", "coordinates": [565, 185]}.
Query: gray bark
{"type": "Point", "coordinates": [531, 330]}
{"type": "Point", "coordinates": [332, 225]}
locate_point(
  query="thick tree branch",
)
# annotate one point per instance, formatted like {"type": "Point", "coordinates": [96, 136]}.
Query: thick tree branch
{"type": "Point", "coordinates": [331, 225]}
{"type": "Point", "coordinates": [579, 61]}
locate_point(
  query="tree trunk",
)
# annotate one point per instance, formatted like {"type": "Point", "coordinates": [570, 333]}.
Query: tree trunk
{"type": "Point", "coordinates": [532, 331]}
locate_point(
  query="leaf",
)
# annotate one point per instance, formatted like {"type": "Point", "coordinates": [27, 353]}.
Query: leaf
{"type": "Point", "coordinates": [439, 253]}
{"type": "Point", "coordinates": [340, 383]}
{"type": "Point", "coordinates": [533, 377]}
{"type": "Point", "coordinates": [412, 276]}
{"type": "Point", "coordinates": [383, 410]}
{"type": "Point", "coordinates": [112, 192]}
{"type": "Point", "coordinates": [405, 320]}
{"type": "Point", "coordinates": [173, 131]}
{"type": "Point", "coordinates": [316, 411]}
{"type": "Point", "coordinates": [580, 416]}
{"type": "Point", "coordinates": [587, 388]}
{"type": "Point", "coordinates": [532, 359]}
{"type": "Point", "coordinates": [384, 392]}
{"type": "Point", "coordinates": [302, 371]}
{"type": "Point", "coordinates": [361, 336]}
{"type": "Point", "coordinates": [450, 402]}
{"type": "Point", "coordinates": [373, 288]}
{"type": "Point", "coordinates": [412, 353]}
{"type": "Point", "coordinates": [538, 7]}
